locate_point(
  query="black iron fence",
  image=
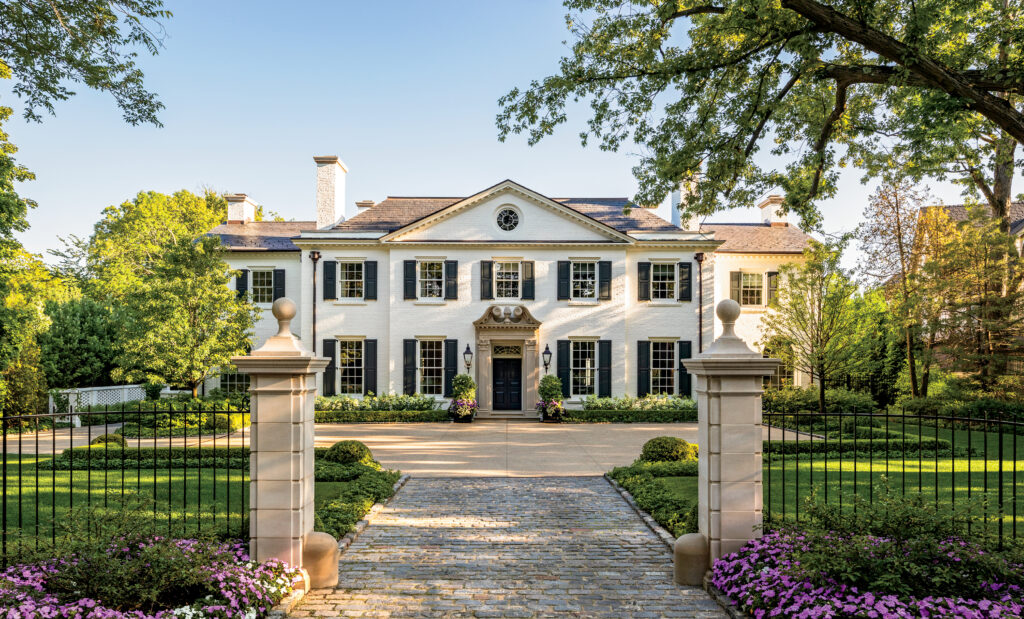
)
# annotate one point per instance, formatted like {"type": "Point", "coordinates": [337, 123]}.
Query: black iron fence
{"type": "Point", "coordinates": [186, 466]}
{"type": "Point", "coordinates": [958, 464]}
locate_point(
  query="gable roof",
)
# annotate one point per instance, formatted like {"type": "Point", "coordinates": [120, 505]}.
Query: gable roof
{"type": "Point", "coordinates": [958, 212]}
{"type": "Point", "coordinates": [262, 235]}
{"type": "Point", "coordinates": [758, 238]}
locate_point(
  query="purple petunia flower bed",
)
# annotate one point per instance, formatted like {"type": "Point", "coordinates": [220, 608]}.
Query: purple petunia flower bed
{"type": "Point", "coordinates": [174, 578]}
{"type": "Point", "coordinates": [785, 574]}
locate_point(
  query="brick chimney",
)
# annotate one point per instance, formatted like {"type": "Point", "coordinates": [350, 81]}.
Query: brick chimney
{"type": "Point", "coordinates": [241, 208]}
{"type": "Point", "coordinates": [771, 211]}
{"type": "Point", "coordinates": [684, 188]}
{"type": "Point", "coordinates": [330, 190]}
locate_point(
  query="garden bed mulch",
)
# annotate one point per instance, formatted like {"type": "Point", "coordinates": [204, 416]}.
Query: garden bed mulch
{"type": "Point", "coordinates": [285, 607]}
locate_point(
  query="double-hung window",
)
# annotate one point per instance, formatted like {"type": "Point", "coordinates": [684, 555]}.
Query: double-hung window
{"type": "Point", "coordinates": [431, 279]}
{"type": "Point", "coordinates": [506, 280]}
{"type": "Point", "coordinates": [663, 367]}
{"type": "Point", "coordinates": [663, 281]}
{"type": "Point", "coordinates": [350, 367]}
{"type": "Point", "coordinates": [263, 286]}
{"type": "Point", "coordinates": [234, 382]}
{"type": "Point", "coordinates": [431, 367]}
{"type": "Point", "coordinates": [751, 289]}
{"type": "Point", "coordinates": [584, 280]}
{"type": "Point", "coordinates": [350, 280]}
{"type": "Point", "coordinates": [582, 368]}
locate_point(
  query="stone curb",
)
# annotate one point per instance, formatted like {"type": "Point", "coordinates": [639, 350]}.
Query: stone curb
{"type": "Point", "coordinates": [723, 601]}
{"type": "Point", "coordinates": [286, 605]}
{"type": "Point", "coordinates": [667, 538]}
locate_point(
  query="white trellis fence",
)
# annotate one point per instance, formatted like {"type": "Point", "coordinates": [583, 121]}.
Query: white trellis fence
{"type": "Point", "coordinates": [81, 397]}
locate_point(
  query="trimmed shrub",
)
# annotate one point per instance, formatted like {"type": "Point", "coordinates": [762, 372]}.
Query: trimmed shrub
{"type": "Point", "coordinates": [671, 511]}
{"type": "Point", "coordinates": [339, 516]}
{"type": "Point", "coordinates": [895, 445]}
{"type": "Point", "coordinates": [629, 416]}
{"type": "Point", "coordinates": [651, 402]}
{"type": "Point", "coordinates": [152, 390]}
{"type": "Point", "coordinates": [349, 452]}
{"type": "Point", "coordinates": [463, 387]}
{"type": "Point", "coordinates": [805, 400]}
{"type": "Point", "coordinates": [550, 388]}
{"type": "Point", "coordinates": [386, 416]}
{"type": "Point", "coordinates": [386, 402]}
{"type": "Point", "coordinates": [115, 439]}
{"type": "Point", "coordinates": [112, 457]}
{"type": "Point", "coordinates": [668, 449]}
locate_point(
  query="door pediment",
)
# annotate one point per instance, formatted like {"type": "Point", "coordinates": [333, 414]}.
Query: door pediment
{"type": "Point", "coordinates": [507, 317]}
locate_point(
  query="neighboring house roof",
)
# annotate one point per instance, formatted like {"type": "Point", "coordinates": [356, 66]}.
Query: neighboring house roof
{"type": "Point", "coordinates": [262, 235]}
{"type": "Point", "coordinates": [758, 238]}
{"type": "Point", "coordinates": [958, 212]}
{"type": "Point", "coordinates": [396, 212]}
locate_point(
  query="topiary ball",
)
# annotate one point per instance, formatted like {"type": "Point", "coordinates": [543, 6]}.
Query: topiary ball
{"type": "Point", "coordinates": [668, 449]}
{"type": "Point", "coordinates": [108, 438]}
{"type": "Point", "coordinates": [349, 452]}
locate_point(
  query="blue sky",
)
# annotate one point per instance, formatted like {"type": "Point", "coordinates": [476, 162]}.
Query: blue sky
{"type": "Point", "coordinates": [404, 93]}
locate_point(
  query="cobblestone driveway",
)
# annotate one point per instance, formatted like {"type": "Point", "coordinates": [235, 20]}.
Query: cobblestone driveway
{"type": "Point", "coordinates": [500, 547]}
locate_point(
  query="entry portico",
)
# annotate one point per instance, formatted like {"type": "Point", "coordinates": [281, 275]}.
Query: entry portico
{"type": "Point", "coordinates": [506, 337]}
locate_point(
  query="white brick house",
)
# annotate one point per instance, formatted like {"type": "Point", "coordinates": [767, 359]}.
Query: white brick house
{"type": "Point", "coordinates": [397, 295]}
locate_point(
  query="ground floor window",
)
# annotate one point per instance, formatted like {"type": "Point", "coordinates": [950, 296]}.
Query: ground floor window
{"type": "Point", "coordinates": [350, 367]}
{"type": "Point", "coordinates": [663, 361]}
{"type": "Point", "coordinates": [584, 360]}
{"type": "Point", "coordinates": [783, 376]}
{"type": "Point", "coordinates": [431, 367]}
{"type": "Point", "coordinates": [234, 382]}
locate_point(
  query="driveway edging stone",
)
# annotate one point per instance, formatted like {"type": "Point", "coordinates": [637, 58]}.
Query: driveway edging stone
{"type": "Point", "coordinates": [667, 538]}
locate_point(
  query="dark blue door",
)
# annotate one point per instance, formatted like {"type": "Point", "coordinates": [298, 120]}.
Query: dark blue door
{"type": "Point", "coordinates": [508, 383]}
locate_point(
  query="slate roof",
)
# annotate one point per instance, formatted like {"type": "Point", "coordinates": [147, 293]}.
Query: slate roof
{"type": "Point", "coordinates": [262, 235]}
{"type": "Point", "coordinates": [958, 212]}
{"type": "Point", "coordinates": [758, 238]}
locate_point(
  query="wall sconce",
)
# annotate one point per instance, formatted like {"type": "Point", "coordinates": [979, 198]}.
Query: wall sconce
{"type": "Point", "coordinates": [546, 355]}
{"type": "Point", "coordinates": [467, 356]}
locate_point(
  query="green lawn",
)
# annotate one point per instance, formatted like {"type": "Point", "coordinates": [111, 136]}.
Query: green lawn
{"type": "Point", "coordinates": [942, 480]}
{"type": "Point", "coordinates": [684, 487]}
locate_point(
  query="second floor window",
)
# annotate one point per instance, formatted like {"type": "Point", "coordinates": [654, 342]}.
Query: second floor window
{"type": "Point", "coordinates": [350, 280]}
{"type": "Point", "coordinates": [263, 286]}
{"type": "Point", "coordinates": [663, 281]}
{"type": "Point", "coordinates": [432, 279]}
{"type": "Point", "coordinates": [584, 280]}
{"type": "Point", "coordinates": [584, 361]}
{"type": "Point", "coordinates": [506, 280]}
{"type": "Point", "coordinates": [431, 366]}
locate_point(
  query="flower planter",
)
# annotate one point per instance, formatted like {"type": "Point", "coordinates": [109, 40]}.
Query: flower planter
{"type": "Point", "coordinates": [463, 418]}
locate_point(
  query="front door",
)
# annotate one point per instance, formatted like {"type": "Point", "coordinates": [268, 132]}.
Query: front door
{"type": "Point", "coordinates": [508, 384]}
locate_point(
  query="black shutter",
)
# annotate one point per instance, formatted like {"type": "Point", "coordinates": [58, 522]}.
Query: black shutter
{"type": "Point", "coordinates": [686, 281]}
{"type": "Point", "coordinates": [643, 368]}
{"type": "Point", "coordinates": [528, 287]}
{"type": "Point", "coordinates": [643, 281]}
{"type": "Point", "coordinates": [604, 280]}
{"type": "Point", "coordinates": [486, 280]}
{"type": "Point", "coordinates": [604, 368]}
{"type": "Point", "coordinates": [564, 271]}
{"type": "Point", "coordinates": [369, 367]}
{"type": "Point", "coordinates": [451, 279]}
{"type": "Point", "coordinates": [773, 285]}
{"type": "Point", "coordinates": [370, 280]}
{"type": "Point", "coordinates": [685, 352]}
{"type": "Point", "coordinates": [278, 283]}
{"type": "Point", "coordinates": [735, 277]}
{"type": "Point", "coordinates": [242, 282]}
{"type": "Point", "coordinates": [562, 365]}
{"type": "Point", "coordinates": [451, 358]}
{"type": "Point", "coordinates": [409, 367]}
{"type": "Point", "coordinates": [330, 280]}
{"type": "Point", "coordinates": [409, 279]}
{"type": "Point", "coordinates": [331, 352]}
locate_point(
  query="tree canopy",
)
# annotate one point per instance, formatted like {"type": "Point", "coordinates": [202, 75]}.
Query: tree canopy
{"type": "Point", "coordinates": [757, 94]}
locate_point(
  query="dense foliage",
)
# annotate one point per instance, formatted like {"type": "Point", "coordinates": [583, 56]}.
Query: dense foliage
{"type": "Point", "coordinates": [381, 416]}
{"type": "Point", "coordinates": [630, 416]}
{"type": "Point", "coordinates": [365, 484]}
{"type": "Point", "coordinates": [668, 449]}
{"type": "Point", "coordinates": [463, 404]}
{"type": "Point", "coordinates": [80, 346]}
{"type": "Point", "coordinates": [805, 400]}
{"type": "Point", "coordinates": [371, 402]}
{"type": "Point", "coordinates": [24, 382]}
{"type": "Point", "coordinates": [643, 480]}
{"type": "Point", "coordinates": [650, 402]}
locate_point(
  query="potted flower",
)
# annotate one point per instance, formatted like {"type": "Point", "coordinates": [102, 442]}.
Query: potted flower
{"type": "Point", "coordinates": [463, 405]}
{"type": "Point", "coordinates": [550, 407]}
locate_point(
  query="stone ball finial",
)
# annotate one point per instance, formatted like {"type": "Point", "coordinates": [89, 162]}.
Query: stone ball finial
{"type": "Point", "coordinates": [284, 309]}
{"type": "Point", "coordinates": [728, 310]}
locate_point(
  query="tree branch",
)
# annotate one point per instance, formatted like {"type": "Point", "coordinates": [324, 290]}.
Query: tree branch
{"type": "Point", "coordinates": [826, 132]}
{"type": "Point", "coordinates": [697, 10]}
{"type": "Point", "coordinates": [881, 74]}
{"type": "Point", "coordinates": [955, 84]}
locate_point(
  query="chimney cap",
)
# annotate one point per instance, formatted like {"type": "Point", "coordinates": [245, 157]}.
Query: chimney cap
{"type": "Point", "coordinates": [238, 197]}
{"type": "Point", "coordinates": [365, 203]}
{"type": "Point", "coordinates": [329, 159]}
{"type": "Point", "coordinates": [771, 200]}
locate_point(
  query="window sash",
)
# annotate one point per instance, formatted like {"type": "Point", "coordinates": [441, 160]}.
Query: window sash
{"type": "Point", "coordinates": [751, 289]}
{"type": "Point", "coordinates": [350, 367]}
{"type": "Point", "coordinates": [663, 368]}
{"type": "Point", "coordinates": [583, 368]}
{"type": "Point", "coordinates": [506, 280]}
{"type": "Point", "coordinates": [263, 286]}
{"type": "Point", "coordinates": [431, 370]}
{"type": "Point", "coordinates": [663, 281]}
{"type": "Point", "coordinates": [431, 279]}
{"type": "Point", "coordinates": [350, 280]}
{"type": "Point", "coordinates": [584, 280]}
{"type": "Point", "coordinates": [234, 382]}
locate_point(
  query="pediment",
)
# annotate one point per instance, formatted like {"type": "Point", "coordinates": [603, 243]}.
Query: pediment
{"type": "Point", "coordinates": [507, 317]}
{"type": "Point", "coordinates": [478, 219]}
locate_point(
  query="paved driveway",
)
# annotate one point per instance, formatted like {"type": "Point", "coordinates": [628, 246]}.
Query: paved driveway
{"type": "Point", "coordinates": [502, 448]}
{"type": "Point", "coordinates": [556, 546]}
